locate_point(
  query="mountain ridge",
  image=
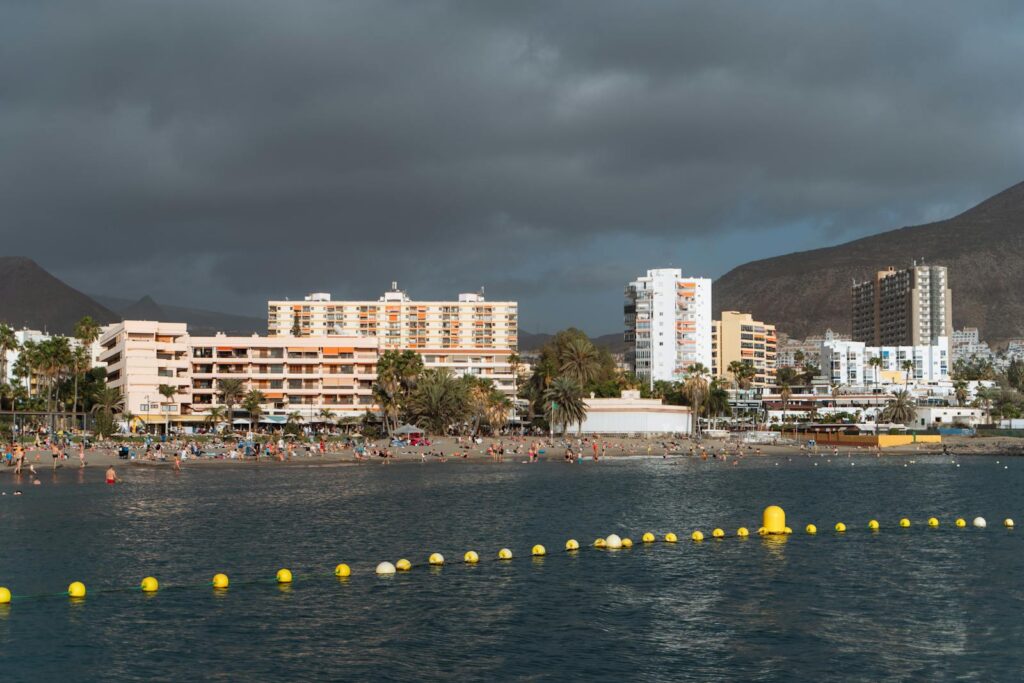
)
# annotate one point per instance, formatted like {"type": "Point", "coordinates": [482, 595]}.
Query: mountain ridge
{"type": "Point", "coordinates": [806, 292]}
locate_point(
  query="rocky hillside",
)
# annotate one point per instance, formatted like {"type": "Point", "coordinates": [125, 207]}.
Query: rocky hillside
{"type": "Point", "coordinates": [807, 292]}
{"type": "Point", "coordinates": [31, 297]}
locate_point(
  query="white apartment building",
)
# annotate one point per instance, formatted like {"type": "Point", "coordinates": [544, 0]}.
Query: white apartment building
{"type": "Point", "coordinates": [668, 324]}
{"type": "Point", "coordinates": [295, 374]}
{"type": "Point", "coordinates": [847, 363]}
{"type": "Point", "coordinates": [470, 335]}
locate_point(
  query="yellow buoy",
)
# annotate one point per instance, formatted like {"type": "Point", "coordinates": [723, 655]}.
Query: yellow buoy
{"type": "Point", "coordinates": [403, 565]}
{"type": "Point", "coordinates": [613, 542]}
{"type": "Point", "coordinates": [149, 585]}
{"type": "Point", "coordinates": [470, 557]}
{"type": "Point", "coordinates": [538, 551]}
{"type": "Point", "coordinates": [572, 544]}
{"type": "Point", "coordinates": [774, 520]}
{"type": "Point", "coordinates": [76, 590]}
{"type": "Point", "coordinates": [342, 570]}
{"type": "Point", "coordinates": [599, 543]}
{"type": "Point", "coordinates": [220, 581]}
{"type": "Point", "coordinates": [648, 537]}
{"type": "Point", "coordinates": [904, 523]}
{"type": "Point", "coordinates": [743, 532]}
{"type": "Point", "coordinates": [960, 522]}
{"type": "Point", "coordinates": [5, 596]}
{"type": "Point", "coordinates": [671, 537]}
{"type": "Point", "coordinates": [811, 529]}
{"type": "Point", "coordinates": [840, 527]}
{"type": "Point", "coordinates": [761, 531]}
{"type": "Point", "coordinates": [787, 531]}
{"type": "Point", "coordinates": [1008, 523]}
{"type": "Point", "coordinates": [504, 554]}
{"type": "Point", "coordinates": [284, 576]}
{"type": "Point", "coordinates": [933, 521]}
{"type": "Point", "coordinates": [697, 536]}
{"type": "Point", "coordinates": [718, 533]}
{"type": "Point", "coordinates": [627, 543]}
{"type": "Point", "coordinates": [873, 525]}
{"type": "Point", "coordinates": [436, 559]}
{"type": "Point", "coordinates": [385, 568]}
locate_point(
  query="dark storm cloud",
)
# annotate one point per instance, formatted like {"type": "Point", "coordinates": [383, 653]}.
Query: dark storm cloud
{"type": "Point", "coordinates": [219, 153]}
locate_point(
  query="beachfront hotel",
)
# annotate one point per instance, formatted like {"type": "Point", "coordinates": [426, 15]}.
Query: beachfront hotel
{"type": "Point", "coordinates": [738, 337]}
{"type": "Point", "coordinates": [909, 307]}
{"type": "Point", "coordinates": [295, 374]}
{"type": "Point", "coordinates": [668, 324]}
{"type": "Point", "coordinates": [469, 335]}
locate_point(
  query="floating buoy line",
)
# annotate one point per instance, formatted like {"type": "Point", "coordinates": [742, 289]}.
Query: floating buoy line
{"type": "Point", "coordinates": [773, 524]}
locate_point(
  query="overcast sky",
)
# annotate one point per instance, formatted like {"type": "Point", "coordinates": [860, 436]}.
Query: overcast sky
{"type": "Point", "coordinates": [216, 154]}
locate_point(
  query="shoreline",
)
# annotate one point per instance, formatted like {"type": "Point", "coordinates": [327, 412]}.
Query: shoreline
{"type": "Point", "coordinates": [613, 449]}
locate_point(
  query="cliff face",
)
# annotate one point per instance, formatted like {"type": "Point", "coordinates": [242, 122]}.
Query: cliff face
{"type": "Point", "coordinates": [807, 292]}
{"type": "Point", "coordinates": [31, 297]}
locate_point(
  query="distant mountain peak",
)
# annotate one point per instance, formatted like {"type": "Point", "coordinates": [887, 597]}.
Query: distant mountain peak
{"type": "Point", "coordinates": [144, 309]}
{"type": "Point", "coordinates": [33, 298]}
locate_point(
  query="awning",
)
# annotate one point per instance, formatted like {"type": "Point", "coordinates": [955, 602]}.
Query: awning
{"type": "Point", "coordinates": [273, 419]}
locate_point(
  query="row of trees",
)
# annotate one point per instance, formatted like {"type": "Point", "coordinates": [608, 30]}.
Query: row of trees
{"type": "Point", "coordinates": [52, 375]}
{"type": "Point", "coordinates": [435, 399]}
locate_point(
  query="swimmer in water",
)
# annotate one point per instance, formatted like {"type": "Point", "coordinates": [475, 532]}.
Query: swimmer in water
{"type": "Point", "coordinates": [111, 475]}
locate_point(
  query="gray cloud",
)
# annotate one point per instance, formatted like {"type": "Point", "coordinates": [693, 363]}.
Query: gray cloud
{"type": "Point", "coordinates": [219, 153]}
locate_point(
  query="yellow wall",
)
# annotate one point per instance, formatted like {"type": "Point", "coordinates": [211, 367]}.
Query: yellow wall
{"type": "Point", "coordinates": [882, 440]}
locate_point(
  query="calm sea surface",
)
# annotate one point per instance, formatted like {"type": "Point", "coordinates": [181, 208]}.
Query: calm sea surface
{"type": "Point", "coordinates": [915, 604]}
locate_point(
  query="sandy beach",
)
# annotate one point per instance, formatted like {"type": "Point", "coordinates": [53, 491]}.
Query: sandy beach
{"type": "Point", "coordinates": [515, 451]}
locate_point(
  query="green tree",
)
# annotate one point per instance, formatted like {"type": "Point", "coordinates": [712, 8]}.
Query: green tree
{"type": "Point", "coordinates": [695, 389]}
{"type": "Point", "coordinates": [908, 368]}
{"type": "Point", "coordinates": [230, 390]}
{"type": "Point", "coordinates": [439, 401]}
{"type": "Point", "coordinates": [875, 363]}
{"type": "Point", "coordinates": [8, 342]}
{"type": "Point", "coordinates": [960, 392]}
{"type": "Point", "coordinates": [87, 331]}
{"type": "Point", "coordinates": [900, 409]}
{"type": "Point", "coordinates": [216, 415]}
{"type": "Point", "coordinates": [107, 401]}
{"type": "Point", "coordinates": [565, 404]}
{"type": "Point", "coordinates": [252, 403]}
{"type": "Point", "coordinates": [743, 373]}
{"type": "Point", "coordinates": [578, 360]}
{"type": "Point", "coordinates": [397, 375]}
{"type": "Point", "coordinates": [717, 402]}
{"type": "Point", "coordinates": [785, 378]}
{"type": "Point", "coordinates": [1015, 374]}
{"type": "Point", "coordinates": [168, 392]}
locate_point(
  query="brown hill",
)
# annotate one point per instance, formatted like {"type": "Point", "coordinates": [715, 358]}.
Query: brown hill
{"type": "Point", "coordinates": [31, 297]}
{"type": "Point", "coordinates": [807, 292]}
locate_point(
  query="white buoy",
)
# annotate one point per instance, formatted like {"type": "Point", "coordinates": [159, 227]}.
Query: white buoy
{"type": "Point", "coordinates": [385, 568]}
{"type": "Point", "coordinates": [613, 542]}
{"type": "Point", "coordinates": [979, 522]}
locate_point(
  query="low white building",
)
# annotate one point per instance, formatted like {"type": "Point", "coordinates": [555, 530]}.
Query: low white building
{"type": "Point", "coordinates": [634, 415]}
{"type": "Point", "coordinates": [952, 416]}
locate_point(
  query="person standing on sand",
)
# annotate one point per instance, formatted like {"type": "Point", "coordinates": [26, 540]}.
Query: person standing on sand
{"type": "Point", "coordinates": [177, 462]}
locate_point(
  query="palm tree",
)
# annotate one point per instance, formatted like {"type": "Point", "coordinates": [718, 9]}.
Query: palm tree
{"type": "Point", "coordinates": [294, 418]}
{"type": "Point", "coordinates": [106, 401]}
{"type": "Point", "coordinates": [87, 331]}
{"type": "Point", "coordinates": [439, 400]}
{"type": "Point", "coordinates": [743, 372]}
{"type": "Point", "coordinates": [717, 403]}
{"type": "Point", "coordinates": [908, 368]}
{"type": "Point", "coordinates": [397, 375]}
{"type": "Point", "coordinates": [875, 362]}
{"type": "Point", "coordinates": [960, 391]}
{"type": "Point", "coordinates": [565, 404]}
{"type": "Point", "coordinates": [253, 404]}
{"type": "Point", "coordinates": [579, 361]}
{"type": "Point", "coordinates": [168, 392]}
{"type": "Point", "coordinates": [900, 408]}
{"type": "Point", "coordinates": [216, 415]}
{"type": "Point", "coordinates": [695, 388]}
{"type": "Point", "coordinates": [230, 390]}
{"type": "Point", "coordinates": [785, 378]}
{"type": "Point", "coordinates": [8, 342]}
{"type": "Point", "coordinates": [327, 415]}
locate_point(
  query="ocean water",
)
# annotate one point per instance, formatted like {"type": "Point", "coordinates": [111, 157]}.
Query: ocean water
{"type": "Point", "coordinates": [903, 604]}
